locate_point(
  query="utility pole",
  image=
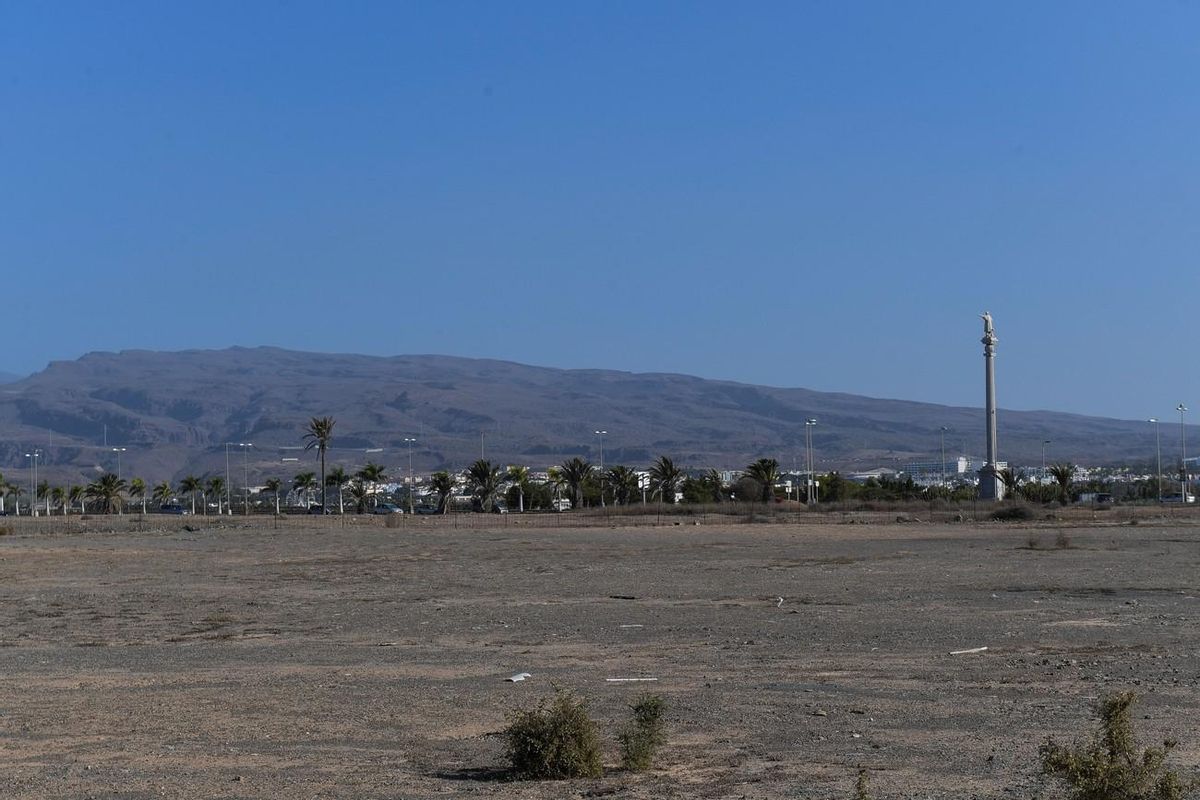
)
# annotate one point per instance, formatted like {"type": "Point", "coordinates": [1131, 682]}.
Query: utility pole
{"type": "Point", "coordinates": [1158, 453]}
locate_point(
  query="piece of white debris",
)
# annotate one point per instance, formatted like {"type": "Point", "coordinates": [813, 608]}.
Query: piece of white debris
{"type": "Point", "coordinates": [629, 680]}
{"type": "Point", "coordinates": [632, 626]}
{"type": "Point", "coordinates": [969, 650]}
{"type": "Point", "coordinates": [520, 676]}
{"type": "Point", "coordinates": [779, 602]}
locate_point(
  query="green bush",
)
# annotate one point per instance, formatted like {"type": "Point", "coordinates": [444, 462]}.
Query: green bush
{"type": "Point", "coordinates": [645, 734]}
{"type": "Point", "coordinates": [1110, 766]}
{"type": "Point", "coordinates": [556, 740]}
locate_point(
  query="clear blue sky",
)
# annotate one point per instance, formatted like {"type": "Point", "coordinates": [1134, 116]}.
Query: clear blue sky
{"type": "Point", "coordinates": [800, 194]}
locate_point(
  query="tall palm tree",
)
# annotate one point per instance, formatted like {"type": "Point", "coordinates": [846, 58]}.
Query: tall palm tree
{"type": "Point", "coordinates": [137, 489]}
{"type": "Point", "coordinates": [3, 493]}
{"type": "Point", "coordinates": [319, 435]}
{"type": "Point", "coordinates": [624, 483]}
{"type": "Point", "coordinates": [372, 475]}
{"type": "Point", "coordinates": [273, 485]}
{"type": "Point", "coordinates": [1063, 474]}
{"type": "Point", "coordinates": [337, 477]}
{"type": "Point", "coordinates": [77, 494]}
{"type": "Point", "coordinates": [216, 488]}
{"type": "Point", "coordinates": [443, 484]}
{"type": "Point", "coordinates": [191, 484]}
{"type": "Point", "coordinates": [575, 473]}
{"type": "Point", "coordinates": [518, 476]}
{"type": "Point", "coordinates": [485, 482]}
{"type": "Point", "coordinates": [556, 482]}
{"type": "Point", "coordinates": [766, 472]}
{"type": "Point", "coordinates": [714, 487]}
{"type": "Point", "coordinates": [106, 492]}
{"type": "Point", "coordinates": [43, 493]}
{"type": "Point", "coordinates": [163, 494]}
{"type": "Point", "coordinates": [305, 482]}
{"type": "Point", "coordinates": [60, 498]}
{"type": "Point", "coordinates": [15, 490]}
{"type": "Point", "coordinates": [665, 478]}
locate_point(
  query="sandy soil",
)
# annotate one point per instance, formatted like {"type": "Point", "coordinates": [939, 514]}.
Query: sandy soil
{"type": "Point", "coordinates": [317, 661]}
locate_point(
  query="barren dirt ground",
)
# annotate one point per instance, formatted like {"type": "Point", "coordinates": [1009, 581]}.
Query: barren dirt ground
{"type": "Point", "coordinates": [370, 663]}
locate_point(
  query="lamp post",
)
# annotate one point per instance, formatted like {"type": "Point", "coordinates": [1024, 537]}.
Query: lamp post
{"type": "Point", "coordinates": [1042, 477]}
{"type": "Point", "coordinates": [245, 477]}
{"type": "Point", "coordinates": [1183, 474]}
{"type": "Point", "coordinates": [601, 434]}
{"type": "Point", "coordinates": [118, 451]}
{"type": "Point", "coordinates": [1158, 455]}
{"type": "Point", "coordinates": [808, 426]}
{"type": "Point", "coordinates": [33, 457]}
{"type": "Point", "coordinates": [944, 429]}
{"type": "Point", "coordinates": [411, 483]}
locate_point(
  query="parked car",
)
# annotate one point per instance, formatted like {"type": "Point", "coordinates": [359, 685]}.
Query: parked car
{"type": "Point", "coordinates": [173, 508]}
{"type": "Point", "coordinates": [426, 510]}
{"type": "Point", "coordinates": [388, 508]}
{"type": "Point", "coordinates": [317, 509]}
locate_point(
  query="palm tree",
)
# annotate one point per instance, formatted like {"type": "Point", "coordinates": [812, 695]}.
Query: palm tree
{"type": "Point", "coordinates": [77, 494]}
{"type": "Point", "coordinates": [273, 485]}
{"type": "Point", "coordinates": [163, 494]}
{"type": "Point", "coordinates": [575, 473]}
{"type": "Point", "coordinates": [359, 492]}
{"type": "Point", "coordinates": [1012, 480]}
{"type": "Point", "coordinates": [15, 491]}
{"type": "Point", "coordinates": [137, 488]}
{"type": "Point", "coordinates": [485, 482]}
{"type": "Point", "coordinates": [624, 483]}
{"type": "Point", "coordinates": [305, 482]}
{"type": "Point", "coordinates": [766, 472]}
{"type": "Point", "coordinates": [338, 477]}
{"type": "Point", "coordinates": [319, 435]}
{"type": "Point", "coordinates": [1063, 474]}
{"type": "Point", "coordinates": [556, 482]}
{"type": "Point", "coordinates": [443, 485]}
{"type": "Point", "coordinates": [714, 487]}
{"type": "Point", "coordinates": [191, 484]}
{"type": "Point", "coordinates": [106, 492]}
{"type": "Point", "coordinates": [518, 476]}
{"type": "Point", "coordinates": [43, 493]}
{"type": "Point", "coordinates": [60, 498]}
{"type": "Point", "coordinates": [372, 475]}
{"type": "Point", "coordinates": [216, 488]}
{"type": "Point", "coordinates": [665, 478]}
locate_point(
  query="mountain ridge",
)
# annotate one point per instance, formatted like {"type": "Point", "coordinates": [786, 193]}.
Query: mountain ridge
{"type": "Point", "coordinates": [174, 411]}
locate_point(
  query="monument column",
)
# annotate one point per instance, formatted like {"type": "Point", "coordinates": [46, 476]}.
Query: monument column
{"type": "Point", "coordinates": [990, 485]}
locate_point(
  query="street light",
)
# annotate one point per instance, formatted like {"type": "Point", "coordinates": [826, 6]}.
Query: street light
{"type": "Point", "coordinates": [118, 451]}
{"type": "Point", "coordinates": [1042, 478]}
{"type": "Point", "coordinates": [245, 476]}
{"type": "Point", "coordinates": [412, 483]}
{"type": "Point", "coordinates": [944, 429]}
{"type": "Point", "coordinates": [1158, 453]}
{"type": "Point", "coordinates": [228, 481]}
{"type": "Point", "coordinates": [809, 424]}
{"type": "Point", "coordinates": [33, 457]}
{"type": "Point", "coordinates": [1183, 475]}
{"type": "Point", "coordinates": [601, 434]}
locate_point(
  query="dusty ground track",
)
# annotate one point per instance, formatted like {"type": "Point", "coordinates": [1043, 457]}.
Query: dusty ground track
{"type": "Point", "coordinates": [263, 663]}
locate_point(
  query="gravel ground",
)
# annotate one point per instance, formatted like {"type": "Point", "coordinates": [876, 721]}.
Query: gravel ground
{"type": "Point", "coordinates": [341, 662]}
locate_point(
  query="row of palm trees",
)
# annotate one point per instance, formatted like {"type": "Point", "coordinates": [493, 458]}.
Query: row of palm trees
{"type": "Point", "coordinates": [105, 494]}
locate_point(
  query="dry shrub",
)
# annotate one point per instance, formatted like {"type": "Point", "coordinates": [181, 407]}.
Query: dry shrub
{"type": "Point", "coordinates": [862, 786]}
{"type": "Point", "coordinates": [5, 530]}
{"type": "Point", "coordinates": [1062, 541]}
{"type": "Point", "coordinates": [1013, 514]}
{"type": "Point", "coordinates": [393, 521]}
{"type": "Point", "coordinates": [556, 740]}
{"type": "Point", "coordinates": [645, 734]}
{"type": "Point", "coordinates": [1111, 766]}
